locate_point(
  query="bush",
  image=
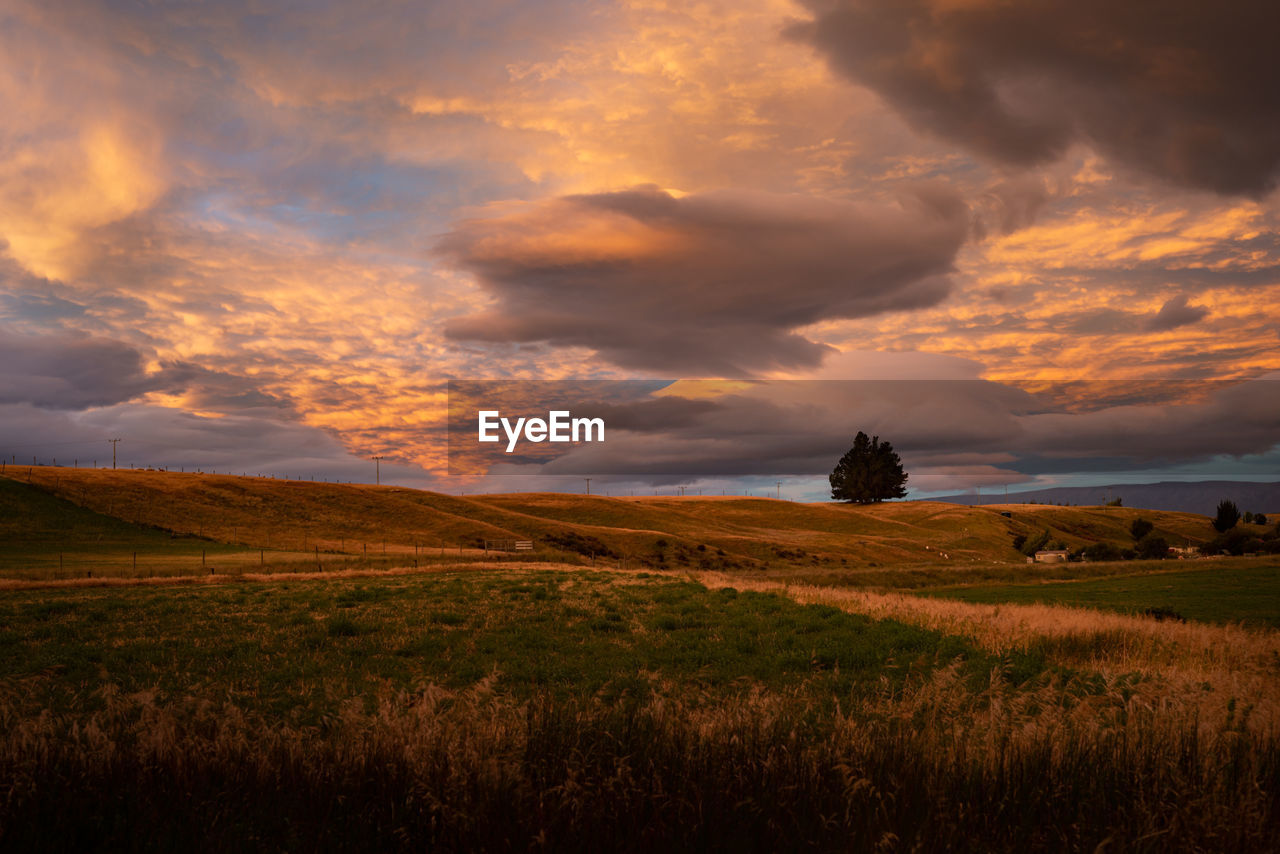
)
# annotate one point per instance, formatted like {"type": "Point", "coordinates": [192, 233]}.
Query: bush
{"type": "Point", "coordinates": [1164, 612]}
{"type": "Point", "coordinates": [1153, 548]}
{"type": "Point", "coordinates": [586, 545]}
{"type": "Point", "coordinates": [1140, 528]}
{"type": "Point", "coordinates": [1035, 544]}
{"type": "Point", "coordinates": [1231, 542]}
{"type": "Point", "coordinates": [1259, 518]}
{"type": "Point", "coordinates": [1101, 551]}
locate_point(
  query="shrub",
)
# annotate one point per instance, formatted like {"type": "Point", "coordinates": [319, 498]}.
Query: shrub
{"type": "Point", "coordinates": [1232, 542]}
{"type": "Point", "coordinates": [1153, 548]}
{"type": "Point", "coordinates": [1035, 544]}
{"type": "Point", "coordinates": [1101, 551]}
{"type": "Point", "coordinates": [572, 541]}
{"type": "Point", "coordinates": [1164, 612]}
{"type": "Point", "coordinates": [1140, 528]}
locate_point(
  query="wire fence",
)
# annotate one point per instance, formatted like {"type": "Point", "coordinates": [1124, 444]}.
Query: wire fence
{"type": "Point", "coordinates": [40, 563]}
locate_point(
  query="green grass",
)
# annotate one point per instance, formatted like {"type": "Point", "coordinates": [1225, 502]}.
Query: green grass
{"type": "Point", "coordinates": [288, 650]}
{"type": "Point", "coordinates": [599, 712]}
{"type": "Point", "coordinates": [1221, 593]}
{"type": "Point", "coordinates": [34, 522]}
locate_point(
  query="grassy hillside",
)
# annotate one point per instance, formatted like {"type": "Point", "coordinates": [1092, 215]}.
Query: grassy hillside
{"type": "Point", "coordinates": [45, 536]}
{"type": "Point", "coordinates": [739, 534]}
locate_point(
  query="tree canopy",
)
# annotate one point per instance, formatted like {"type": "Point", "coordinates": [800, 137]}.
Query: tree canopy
{"type": "Point", "coordinates": [869, 472]}
{"type": "Point", "coordinates": [1228, 516]}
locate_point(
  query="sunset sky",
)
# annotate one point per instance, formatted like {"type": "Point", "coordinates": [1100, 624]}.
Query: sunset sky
{"type": "Point", "coordinates": [260, 236]}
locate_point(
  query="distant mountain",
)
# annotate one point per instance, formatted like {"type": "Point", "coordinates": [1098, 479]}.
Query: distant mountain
{"type": "Point", "coordinates": [1187, 496]}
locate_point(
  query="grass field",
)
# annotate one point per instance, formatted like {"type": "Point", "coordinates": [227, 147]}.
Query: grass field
{"type": "Point", "coordinates": [1223, 592]}
{"type": "Point", "coordinates": [297, 645]}
{"type": "Point", "coordinates": [579, 710]}
{"type": "Point", "coordinates": [761, 676]}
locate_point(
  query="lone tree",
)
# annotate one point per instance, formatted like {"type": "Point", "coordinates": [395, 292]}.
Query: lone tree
{"type": "Point", "coordinates": [1228, 516]}
{"type": "Point", "coordinates": [869, 472]}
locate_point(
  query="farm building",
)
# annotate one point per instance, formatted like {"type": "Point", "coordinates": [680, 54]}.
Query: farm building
{"type": "Point", "coordinates": [1051, 556]}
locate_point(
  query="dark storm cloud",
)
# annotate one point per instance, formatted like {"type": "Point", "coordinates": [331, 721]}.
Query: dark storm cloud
{"type": "Point", "coordinates": [976, 429]}
{"type": "Point", "coordinates": [161, 437]}
{"type": "Point", "coordinates": [66, 371]}
{"type": "Point", "coordinates": [70, 372]}
{"type": "Point", "coordinates": [706, 284]}
{"type": "Point", "coordinates": [1174, 313]}
{"type": "Point", "coordinates": [1183, 90]}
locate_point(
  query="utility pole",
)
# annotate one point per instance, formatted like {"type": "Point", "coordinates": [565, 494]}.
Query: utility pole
{"type": "Point", "coordinates": [113, 451]}
{"type": "Point", "coordinates": [779, 496]}
{"type": "Point", "coordinates": [377, 470]}
{"type": "Point", "coordinates": [588, 480]}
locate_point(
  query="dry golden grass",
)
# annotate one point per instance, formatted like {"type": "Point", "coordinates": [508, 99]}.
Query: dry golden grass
{"type": "Point", "coordinates": [757, 533]}
{"type": "Point", "coordinates": [937, 766]}
{"type": "Point", "coordinates": [1210, 670]}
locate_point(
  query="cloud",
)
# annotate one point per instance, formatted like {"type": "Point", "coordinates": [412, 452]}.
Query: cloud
{"type": "Point", "coordinates": [69, 372]}
{"type": "Point", "coordinates": [243, 193]}
{"type": "Point", "coordinates": [1182, 90]}
{"type": "Point", "coordinates": [715, 283]}
{"type": "Point", "coordinates": [950, 433]}
{"type": "Point", "coordinates": [164, 437]}
{"type": "Point", "coordinates": [1174, 313]}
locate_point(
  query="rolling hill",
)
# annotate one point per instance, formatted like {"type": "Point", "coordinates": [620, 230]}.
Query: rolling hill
{"type": "Point", "coordinates": [713, 533]}
{"type": "Point", "coordinates": [1181, 496]}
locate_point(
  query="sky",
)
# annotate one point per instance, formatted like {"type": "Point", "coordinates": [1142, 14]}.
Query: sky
{"type": "Point", "coordinates": [262, 236]}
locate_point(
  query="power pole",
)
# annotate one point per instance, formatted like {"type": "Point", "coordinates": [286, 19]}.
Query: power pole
{"type": "Point", "coordinates": [779, 496]}
{"type": "Point", "coordinates": [377, 470]}
{"type": "Point", "coordinates": [113, 451]}
{"type": "Point", "coordinates": [588, 480]}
